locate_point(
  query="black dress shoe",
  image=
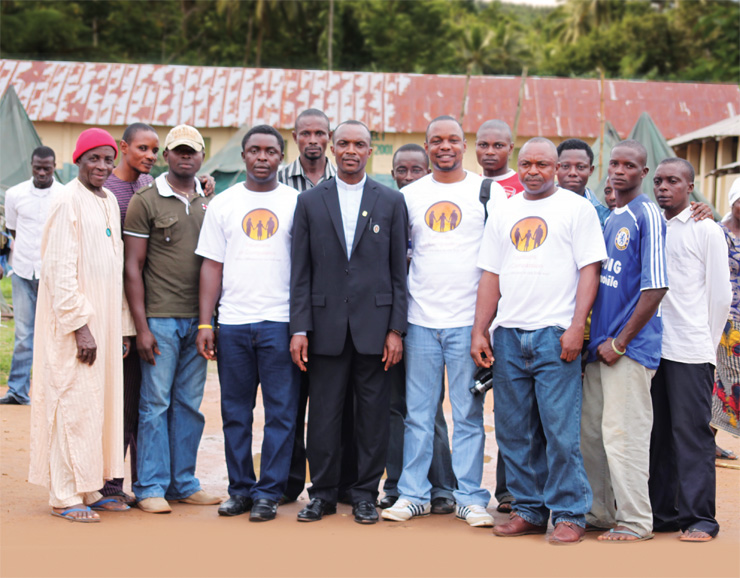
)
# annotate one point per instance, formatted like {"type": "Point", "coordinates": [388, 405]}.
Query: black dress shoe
{"type": "Point", "coordinates": [387, 502]}
{"type": "Point", "coordinates": [365, 512]}
{"type": "Point", "coordinates": [235, 506]}
{"type": "Point", "coordinates": [316, 509]}
{"type": "Point", "coordinates": [263, 510]}
{"type": "Point", "coordinates": [443, 506]}
{"type": "Point", "coordinates": [8, 399]}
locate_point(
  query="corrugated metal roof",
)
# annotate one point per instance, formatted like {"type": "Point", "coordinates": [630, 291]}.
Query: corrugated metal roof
{"type": "Point", "coordinates": [164, 95]}
{"type": "Point", "coordinates": [727, 127]}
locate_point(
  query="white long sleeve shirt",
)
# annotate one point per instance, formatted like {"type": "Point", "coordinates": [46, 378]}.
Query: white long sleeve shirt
{"type": "Point", "coordinates": [696, 307]}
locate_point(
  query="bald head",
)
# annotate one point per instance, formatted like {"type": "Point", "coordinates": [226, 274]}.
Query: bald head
{"type": "Point", "coordinates": [447, 119]}
{"type": "Point", "coordinates": [536, 166]}
{"type": "Point", "coordinates": [544, 144]}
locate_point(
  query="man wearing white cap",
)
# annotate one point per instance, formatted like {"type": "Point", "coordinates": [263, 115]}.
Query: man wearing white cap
{"type": "Point", "coordinates": [161, 279]}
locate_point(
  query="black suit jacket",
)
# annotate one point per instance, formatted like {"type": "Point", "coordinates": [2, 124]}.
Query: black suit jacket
{"type": "Point", "coordinates": [368, 292]}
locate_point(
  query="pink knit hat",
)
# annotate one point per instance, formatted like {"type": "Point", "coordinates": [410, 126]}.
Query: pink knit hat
{"type": "Point", "coordinates": [91, 138]}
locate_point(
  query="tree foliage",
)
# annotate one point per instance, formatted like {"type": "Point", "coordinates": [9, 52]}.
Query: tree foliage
{"type": "Point", "coordinates": [660, 39]}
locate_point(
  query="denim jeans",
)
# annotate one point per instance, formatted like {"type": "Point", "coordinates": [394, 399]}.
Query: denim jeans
{"type": "Point", "coordinates": [538, 397]}
{"type": "Point", "coordinates": [427, 352]}
{"type": "Point", "coordinates": [248, 354]}
{"type": "Point", "coordinates": [25, 292]}
{"type": "Point", "coordinates": [170, 422]}
{"type": "Point", "coordinates": [440, 473]}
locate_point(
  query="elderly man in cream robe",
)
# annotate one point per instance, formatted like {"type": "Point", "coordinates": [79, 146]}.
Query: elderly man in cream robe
{"type": "Point", "coordinates": [77, 412]}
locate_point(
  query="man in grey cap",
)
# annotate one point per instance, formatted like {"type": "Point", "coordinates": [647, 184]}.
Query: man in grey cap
{"type": "Point", "coordinates": [162, 275]}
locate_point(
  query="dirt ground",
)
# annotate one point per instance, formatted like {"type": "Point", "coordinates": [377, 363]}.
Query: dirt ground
{"type": "Point", "coordinates": [195, 541]}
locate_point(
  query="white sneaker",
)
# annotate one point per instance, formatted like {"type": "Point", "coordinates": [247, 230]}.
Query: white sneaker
{"type": "Point", "coordinates": [404, 510]}
{"type": "Point", "coordinates": [475, 515]}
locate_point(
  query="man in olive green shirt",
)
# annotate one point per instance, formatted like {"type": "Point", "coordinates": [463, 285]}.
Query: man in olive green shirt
{"type": "Point", "coordinates": [161, 280]}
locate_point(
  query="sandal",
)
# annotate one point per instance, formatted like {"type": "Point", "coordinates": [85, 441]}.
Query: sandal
{"type": "Point", "coordinates": [67, 515]}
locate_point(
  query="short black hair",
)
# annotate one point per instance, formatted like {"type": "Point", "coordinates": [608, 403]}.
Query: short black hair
{"type": "Point", "coordinates": [132, 129]}
{"type": "Point", "coordinates": [313, 112]}
{"type": "Point", "coordinates": [354, 123]}
{"type": "Point", "coordinates": [636, 146]}
{"type": "Point", "coordinates": [264, 129]}
{"type": "Point", "coordinates": [576, 144]}
{"type": "Point", "coordinates": [440, 118]}
{"type": "Point", "coordinates": [688, 167]}
{"type": "Point", "coordinates": [411, 148]}
{"type": "Point", "coordinates": [495, 124]}
{"type": "Point", "coordinates": [43, 152]}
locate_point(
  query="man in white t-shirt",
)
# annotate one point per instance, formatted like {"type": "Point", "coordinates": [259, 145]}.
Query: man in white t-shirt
{"type": "Point", "coordinates": [541, 256]}
{"type": "Point", "coordinates": [26, 208]}
{"type": "Point", "coordinates": [446, 220]}
{"type": "Point", "coordinates": [245, 243]}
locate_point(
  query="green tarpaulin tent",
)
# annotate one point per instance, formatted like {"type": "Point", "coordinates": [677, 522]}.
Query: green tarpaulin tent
{"type": "Point", "coordinates": [646, 133]}
{"type": "Point", "coordinates": [227, 166]}
{"type": "Point", "coordinates": [19, 140]}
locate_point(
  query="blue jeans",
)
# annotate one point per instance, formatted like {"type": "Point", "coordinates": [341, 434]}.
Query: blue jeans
{"type": "Point", "coordinates": [440, 473]}
{"type": "Point", "coordinates": [427, 352]}
{"type": "Point", "coordinates": [247, 355]}
{"type": "Point", "coordinates": [25, 292]}
{"type": "Point", "coordinates": [170, 422]}
{"type": "Point", "coordinates": [538, 397]}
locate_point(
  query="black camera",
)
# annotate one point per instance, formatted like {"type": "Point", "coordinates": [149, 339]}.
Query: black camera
{"type": "Point", "coordinates": [483, 380]}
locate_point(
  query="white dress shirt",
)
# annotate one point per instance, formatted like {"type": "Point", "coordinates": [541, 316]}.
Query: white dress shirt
{"type": "Point", "coordinates": [26, 210]}
{"type": "Point", "coordinates": [695, 308]}
{"type": "Point", "coordinates": [350, 197]}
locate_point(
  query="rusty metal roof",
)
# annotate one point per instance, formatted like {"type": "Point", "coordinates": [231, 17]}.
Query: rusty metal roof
{"type": "Point", "coordinates": [723, 128]}
{"type": "Point", "coordinates": [164, 95]}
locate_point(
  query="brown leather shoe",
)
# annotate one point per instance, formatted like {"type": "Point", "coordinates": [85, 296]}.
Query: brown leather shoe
{"type": "Point", "coordinates": [517, 526]}
{"type": "Point", "coordinates": [567, 533]}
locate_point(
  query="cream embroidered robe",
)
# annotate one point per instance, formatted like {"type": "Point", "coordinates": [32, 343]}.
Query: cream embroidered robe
{"type": "Point", "coordinates": [81, 283]}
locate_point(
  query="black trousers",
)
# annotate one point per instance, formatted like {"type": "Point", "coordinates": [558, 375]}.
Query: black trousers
{"type": "Point", "coordinates": [331, 378]}
{"type": "Point", "coordinates": [297, 476]}
{"type": "Point", "coordinates": [682, 475]}
{"type": "Point", "coordinates": [131, 394]}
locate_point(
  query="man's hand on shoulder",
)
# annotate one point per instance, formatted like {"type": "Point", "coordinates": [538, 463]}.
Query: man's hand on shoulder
{"type": "Point", "coordinates": [701, 211]}
{"type": "Point", "coordinates": [392, 349]}
{"type": "Point", "coordinates": [208, 183]}
{"type": "Point", "coordinates": [299, 351]}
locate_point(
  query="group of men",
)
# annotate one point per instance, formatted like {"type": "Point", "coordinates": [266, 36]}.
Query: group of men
{"type": "Point", "coordinates": [325, 288]}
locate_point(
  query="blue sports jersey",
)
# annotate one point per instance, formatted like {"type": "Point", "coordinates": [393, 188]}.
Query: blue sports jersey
{"type": "Point", "coordinates": [635, 245]}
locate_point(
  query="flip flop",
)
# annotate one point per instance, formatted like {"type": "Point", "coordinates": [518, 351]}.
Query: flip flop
{"type": "Point", "coordinates": [724, 454]}
{"type": "Point", "coordinates": [684, 537]}
{"type": "Point", "coordinates": [98, 506]}
{"type": "Point", "coordinates": [66, 515]}
{"type": "Point", "coordinates": [504, 508]}
{"type": "Point", "coordinates": [626, 532]}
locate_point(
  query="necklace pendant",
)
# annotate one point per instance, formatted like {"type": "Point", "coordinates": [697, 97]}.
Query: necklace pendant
{"type": "Point", "coordinates": [107, 231]}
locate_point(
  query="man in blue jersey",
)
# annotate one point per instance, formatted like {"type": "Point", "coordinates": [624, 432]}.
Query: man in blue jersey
{"type": "Point", "coordinates": [624, 353]}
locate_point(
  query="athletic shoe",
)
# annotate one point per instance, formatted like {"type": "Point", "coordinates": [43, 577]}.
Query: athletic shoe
{"type": "Point", "coordinates": [404, 510]}
{"type": "Point", "coordinates": [475, 515]}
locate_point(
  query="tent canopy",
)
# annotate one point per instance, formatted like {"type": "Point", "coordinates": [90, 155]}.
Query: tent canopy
{"type": "Point", "coordinates": [19, 141]}
{"type": "Point", "coordinates": [647, 133]}
{"type": "Point", "coordinates": [227, 166]}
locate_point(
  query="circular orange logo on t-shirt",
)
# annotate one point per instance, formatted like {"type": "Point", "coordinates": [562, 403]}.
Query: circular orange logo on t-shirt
{"type": "Point", "coordinates": [528, 234]}
{"type": "Point", "coordinates": [260, 224]}
{"type": "Point", "coordinates": [443, 217]}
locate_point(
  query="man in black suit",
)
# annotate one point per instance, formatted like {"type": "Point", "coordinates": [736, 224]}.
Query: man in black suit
{"type": "Point", "coordinates": [348, 307]}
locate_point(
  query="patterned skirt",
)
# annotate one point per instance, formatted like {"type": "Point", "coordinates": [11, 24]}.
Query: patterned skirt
{"type": "Point", "coordinates": [726, 396]}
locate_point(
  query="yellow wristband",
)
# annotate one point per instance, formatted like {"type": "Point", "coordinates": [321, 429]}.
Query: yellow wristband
{"type": "Point", "coordinates": [205, 326]}
{"type": "Point", "coordinates": [614, 347]}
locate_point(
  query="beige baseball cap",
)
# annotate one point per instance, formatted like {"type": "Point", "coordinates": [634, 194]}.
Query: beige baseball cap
{"type": "Point", "coordinates": [184, 134]}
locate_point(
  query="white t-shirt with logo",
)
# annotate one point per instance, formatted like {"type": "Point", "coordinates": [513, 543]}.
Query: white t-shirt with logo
{"type": "Point", "coordinates": [250, 233]}
{"type": "Point", "coordinates": [446, 224]}
{"type": "Point", "coordinates": [537, 247]}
